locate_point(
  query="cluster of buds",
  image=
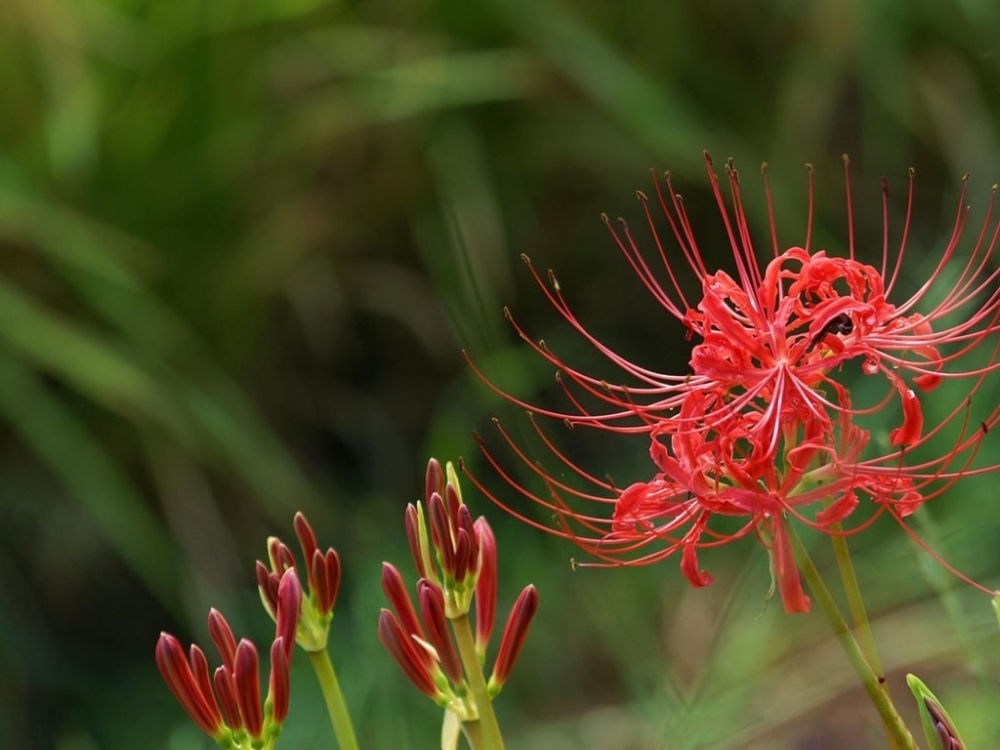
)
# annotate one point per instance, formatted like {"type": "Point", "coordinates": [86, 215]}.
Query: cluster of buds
{"type": "Point", "coordinates": [323, 573]}
{"type": "Point", "coordinates": [456, 559]}
{"type": "Point", "coordinates": [226, 704]}
{"type": "Point", "coordinates": [763, 428]}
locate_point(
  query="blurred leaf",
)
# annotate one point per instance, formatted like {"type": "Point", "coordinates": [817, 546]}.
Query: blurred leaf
{"type": "Point", "coordinates": [65, 444]}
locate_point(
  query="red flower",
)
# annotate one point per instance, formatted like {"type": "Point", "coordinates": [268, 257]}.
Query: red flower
{"type": "Point", "coordinates": [763, 426]}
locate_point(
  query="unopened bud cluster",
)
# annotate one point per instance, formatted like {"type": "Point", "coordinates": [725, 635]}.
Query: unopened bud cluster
{"type": "Point", "coordinates": [456, 559]}
{"type": "Point", "coordinates": [323, 573]}
{"type": "Point", "coordinates": [226, 704]}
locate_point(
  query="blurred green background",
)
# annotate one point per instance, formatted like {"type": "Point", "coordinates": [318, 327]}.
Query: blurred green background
{"type": "Point", "coordinates": [243, 243]}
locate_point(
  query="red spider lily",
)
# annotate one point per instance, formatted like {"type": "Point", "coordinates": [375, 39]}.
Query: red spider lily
{"type": "Point", "coordinates": [763, 425]}
{"type": "Point", "coordinates": [456, 559]}
{"type": "Point", "coordinates": [323, 574]}
{"type": "Point", "coordinates": [227, 705]}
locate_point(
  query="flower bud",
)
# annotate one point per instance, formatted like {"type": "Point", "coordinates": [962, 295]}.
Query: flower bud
{"type": "Point", "coordinates": [432, 609]}
{"type": "Point", "coordinates": [411, 659]}
{"type": "Point", "coordinates": [486, 586]}
{"type": "Point", "coordinates": [514, 633]}
{"type": "Point", "coordinates": [280, 683]}
{"type": "Point", "coordinates": [190, 683]}
{"type": "Point", "coordinates": [246, 675]}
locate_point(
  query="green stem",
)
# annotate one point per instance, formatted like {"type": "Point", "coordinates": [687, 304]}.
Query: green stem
{"type": "Point", "coordinates": [492, 740]}
{"type": "Point", "coordinates": [894, 725]}
{"type": "Point", "coordinates": [473, 731]}
{"type": "Point", "coordinates": [859, 614]}
{"type": "Point", "coordinates": [335, 705]}
{"type": "Point", "coordinates": [855, 602]}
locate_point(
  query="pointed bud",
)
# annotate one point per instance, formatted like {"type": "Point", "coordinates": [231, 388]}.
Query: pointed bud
{"type": "Point", "coordinates": [451, 479]}
{"type": "Point", "coordinates": [399, 599]}
{"type": "Point", "coordinates": [434, 481]}
{"type": "Point", "coordinates": [225, 688]}
{"type": "Point", "coordinates": [939, 729]}
{"type": "Point", "coordinates": [401, 647]}
{"type": "Point", "coordinates": [289, 607]}
{"type": "Point", "coordinates": [189, 690]}
{"type": "Point", "coordinates": [279, 555]}
{"type": "Point", "coordinates": [267, 585]}
{"type": "Point", "coordinates": [486, 586]}
{"type": "Point", "coordinates": [307, 538]}
{"type": "Point", "coordinates": [514, 634]}
{"type": "Point", "coordinates": [432, 610]}
{"type": "Point", "coordinates": [222, 636]}
{"type": "Point", "coordinates": [280, 684]}
{"type": "Point", "coordinates": [414, 532]}
{"type": "Point", "coordinates": [441, 534]}
{"type": "Point", "coordinates": [463, 556]}
{"type": "Point", "coordinates": [468, 560]}
{"type": "Point", "coordinates": [325, 574]}
{"type": "Point", "coordinates": [246, 675]}
{"type": "Point", "coordinates": [452, 502]}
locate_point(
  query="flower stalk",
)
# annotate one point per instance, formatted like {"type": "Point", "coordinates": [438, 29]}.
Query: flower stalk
{"type": "Point", "coordinates": [333, 697]}
{"type": "Point", "coordinates": [870, 681]}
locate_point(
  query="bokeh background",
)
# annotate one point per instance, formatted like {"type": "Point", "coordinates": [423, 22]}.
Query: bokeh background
{"type": "Point", "coordinates": [243, 244]}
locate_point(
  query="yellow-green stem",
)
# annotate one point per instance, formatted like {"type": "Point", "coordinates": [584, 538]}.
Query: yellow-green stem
{"type": "Point", "coordinates": [855, 602]}
{"type": "Point", "coordinates": [335, 705]}
{"type": "Point", "coordinates": [891, 719]}
{"type": "Point", "coordinates": [491, 738]}
{"type": "Point", "coordinates": [473, 731]}
{"type": "Point", "coordinates": [859, 615]}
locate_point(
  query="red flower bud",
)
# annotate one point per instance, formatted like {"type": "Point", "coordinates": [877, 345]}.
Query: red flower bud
{"type": "Point", "coordinates": [223, 637]}
{"type": "Point", "coordinates": [412, 519]}
{"type": "Point", "coordinates": [268, 582]}
{"type": "Point", "coordinates": [307, 538]}
{"type": "Point", "coordinates": [513, 636]}
{"type": "Point", "coordinates": [324, 579]}
{"type": "Point", "coordinates": [247, 678]}
{"type": "Point", "coordinates": [432, 609]}
{"type": "Point", "coordinates": [410, 658]}
{"type": "Point", "coordinates": [186, 681]}
{"type": "Point", "coordinates": [225, 688]}
{"type": "Point", "coordinates": [289, 607]}
{"type": "Point", "coordinates": [280, 686]}
{"type": "Point", "coordinates": [486, 585]}
{"type": "Point", "coordinates": [441, 533]}
{"type": "Point", "coordinates": [399, 599]}
{"type": "Point", "coordinates": [435, 479]}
